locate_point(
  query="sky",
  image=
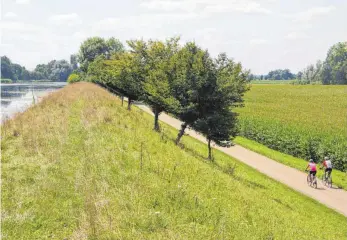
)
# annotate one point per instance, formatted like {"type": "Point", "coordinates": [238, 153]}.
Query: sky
{"type": "Point", "coordinates": [261, 34]}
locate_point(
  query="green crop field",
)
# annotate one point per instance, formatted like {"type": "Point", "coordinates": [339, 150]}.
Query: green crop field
{"type": "Point", "coordinates": [272, 81]}
{"type": "Point", "coordinates": [80, 166]}
{"type": "Point", "coordinates": [307, 121]}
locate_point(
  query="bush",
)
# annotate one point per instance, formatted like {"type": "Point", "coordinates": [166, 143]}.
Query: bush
{"type": "Point", "coordinates": [5, 80]}
{"type": "Point", "coordinates": [74, 77]}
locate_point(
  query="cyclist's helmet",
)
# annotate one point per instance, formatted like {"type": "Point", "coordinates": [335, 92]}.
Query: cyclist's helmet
{"type": "Point", "coordinates": [326, 158]}
{"type": "Point", "coordinates": [311, 160]}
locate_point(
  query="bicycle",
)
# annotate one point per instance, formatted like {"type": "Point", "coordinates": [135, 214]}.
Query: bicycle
{"type": "Point", "coordinates": [327, 179]}
{"type": "Point", "coordinates": [311, 180]}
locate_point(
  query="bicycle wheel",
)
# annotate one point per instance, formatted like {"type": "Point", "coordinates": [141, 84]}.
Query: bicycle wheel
{"type": "Point", "coordinates": [314, 184]}
{"type": "Point", "coordinates": [324, 180]}
{"type": "Point", "coordinates": [308, 180]}
{"type": "Point", "coordinates": [330, 182]}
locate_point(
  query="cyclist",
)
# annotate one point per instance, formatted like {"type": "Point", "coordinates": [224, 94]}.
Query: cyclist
{"type": "Point", "coordinates": [313, 169]}
{"type": "Point", "coordinates": [328, 166]}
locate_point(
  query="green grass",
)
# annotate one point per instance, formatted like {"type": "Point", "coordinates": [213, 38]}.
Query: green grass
{"type": "Point", "coordinates": [80, 166]}
{"type": "Point", "coordinates": [272, 81]}
{"type": "Point", "coordinates": [339, 178]}
{"type": "Point", "coordinates": [304, 121]}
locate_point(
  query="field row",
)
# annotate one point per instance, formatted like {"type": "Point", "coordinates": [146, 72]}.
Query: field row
{"type": "Point", "coordinates": [303, 121]}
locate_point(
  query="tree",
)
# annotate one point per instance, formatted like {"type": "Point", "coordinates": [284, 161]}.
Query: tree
{"type": "Point", "coordinates": [59, 70]}
{"type": "Point", "coordinates": [299, 75]}
{"type": "Point", "coordinates": [219, 127]}
{"type": "Point", "coordinates": [192, 68]}
{"type": "Point", "coordinates": [114, 46]}
{"type": "Point", "coordinates": [6, 68]}
{"type": "Point", "coordinates": [41, 71]}
{"type": "Point", "coordinates": [121, 74]}
{"type": "Point", "coordinates": [153, 61]}
{"type": "Point", "coordinates": [280, 74]}
{"type": "Point", "coordinates": [74, 61]}
{"type": "Point", "coordinates": [54, 70]}
{"type": "Point", "coordinates": [228, 85]}
{"type": "Point", "coordinates": [13, 71]}
{"type": "Point", "coordinates": [312, 73]}
{"type": "Point", "coordinates": [96, 46]}
{"type": "Point", "coordinates": [335, 65]}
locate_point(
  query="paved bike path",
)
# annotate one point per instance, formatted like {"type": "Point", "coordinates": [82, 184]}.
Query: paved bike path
{"type": "Point", "coordinates": [333, 198]}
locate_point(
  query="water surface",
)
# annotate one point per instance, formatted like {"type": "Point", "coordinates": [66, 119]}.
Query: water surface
{"type": "Point", "coordinates": [16, 97]}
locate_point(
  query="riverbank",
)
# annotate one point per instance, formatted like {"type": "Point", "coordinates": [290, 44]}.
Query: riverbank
{"type": "Point", "coordinates": [17, 97]}
{"type": "Point", "coordinates": [81, 166]}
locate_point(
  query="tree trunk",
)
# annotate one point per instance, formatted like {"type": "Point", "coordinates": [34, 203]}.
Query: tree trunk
{"type": "Point", "coordinates": [209, 150]}
{"type": "Point", "coordinates": [181, 133]}
{"type": "Point", "coordinates": [129, 104]}
{"type": "Point", "coordinates": [156, 119]}
{"type": "Point", "coordinates": [122, 101]}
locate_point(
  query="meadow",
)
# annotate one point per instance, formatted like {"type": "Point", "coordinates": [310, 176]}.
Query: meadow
{"type": "Point", "coordinates": [307, 121]}
{"type": "Point", "coordinates": [272, 81]}
{"type": "Point", "coordinates": [79, 166]}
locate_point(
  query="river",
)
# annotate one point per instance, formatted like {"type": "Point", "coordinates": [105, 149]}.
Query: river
{"type": "Point", "coordinates": [17, 97]}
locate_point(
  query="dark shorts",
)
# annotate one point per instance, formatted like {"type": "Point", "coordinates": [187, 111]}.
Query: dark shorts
{"type": "Point", "coordinates": [328, 170]}
{"type": "Point", "coordinates": [313, 173]}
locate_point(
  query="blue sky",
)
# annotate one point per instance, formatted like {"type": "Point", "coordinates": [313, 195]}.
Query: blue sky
{"type": "Point", "coordinates": [262, 34]}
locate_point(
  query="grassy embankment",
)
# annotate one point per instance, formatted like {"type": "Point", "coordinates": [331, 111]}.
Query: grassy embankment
{"type": "Point", "coordinates": [80, 166]}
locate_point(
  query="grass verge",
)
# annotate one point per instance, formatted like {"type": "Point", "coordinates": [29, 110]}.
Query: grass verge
{"type": "Point", "coordinates": [79, 166]}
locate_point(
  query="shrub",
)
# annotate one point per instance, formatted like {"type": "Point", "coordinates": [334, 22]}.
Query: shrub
{"type": "Point", "coordinates": [5, 80]}
{"type": "Point", "coordinates": [74, 77]}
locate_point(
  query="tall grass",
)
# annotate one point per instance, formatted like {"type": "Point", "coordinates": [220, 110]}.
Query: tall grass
{"type": "Point", "coordinates": [79, 166]}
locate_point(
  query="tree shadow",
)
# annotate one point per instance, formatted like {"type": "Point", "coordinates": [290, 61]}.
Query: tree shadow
{"type": "Point", "coordinates": [246, 182]}
{"type": "Point", "coordinates": [336, 188]}
{"type": "Point", "coordinates": [192, 152]}
{"type": "Point", "coordinates": [283, 204]}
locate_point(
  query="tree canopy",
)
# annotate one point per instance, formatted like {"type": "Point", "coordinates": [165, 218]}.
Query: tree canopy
{"type": "Point", "coordinates": [13, 71]}
{"type": "Point", "coordinates": [183, 81]}
{"type": "Point", "coordinates": [96, 46]}
{"type": "Point", "coordinates": [280, 74]}
{"type": "Point", "coordinates": [333, 70]}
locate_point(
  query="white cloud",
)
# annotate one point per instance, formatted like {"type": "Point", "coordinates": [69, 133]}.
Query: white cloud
{"type": "Point", "coordinates": [257, 41]}
{"type": "Point", "coordinates": [236, 6]}
{"type": "Point", "coordinates": [214, 39]}
{"type": "Point", "coordinates": [19, 27]}
{"type": "Point", "coordinates": [22, 1]}
{"type": "Point", "coordinates": [311, 13]}
{"type": "Point", "coordinates": [207, 6]}
{"type": "Point", "coordinates": [10, 15]}
{"type": "Point", "coordinates": [66, 19]}
{"type": "Point", "coordinates": [296, 35]}
{"type": "Point", "coordinates": [140, 21]}
{"type": "Point", "coordinates": [168, 5]}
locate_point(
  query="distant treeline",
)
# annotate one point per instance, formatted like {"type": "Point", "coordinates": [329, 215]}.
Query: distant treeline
{"type": "Point", "coordinates": [331, 71]}
{"type": "Point", "coordinates": [278, 74]}
{"type": "Point", "coordinates": [55, 70]}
